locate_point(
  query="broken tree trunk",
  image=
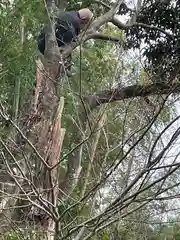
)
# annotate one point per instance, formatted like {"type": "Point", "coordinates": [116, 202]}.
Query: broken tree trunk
{"type": "Point", "coordinates": [46, 135]}
{"type": "Point", "coordinates": [39, 144]}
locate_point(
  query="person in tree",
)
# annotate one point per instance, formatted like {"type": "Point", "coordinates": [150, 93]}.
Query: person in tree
{"type": "Point", "coordinates": [67, 27]}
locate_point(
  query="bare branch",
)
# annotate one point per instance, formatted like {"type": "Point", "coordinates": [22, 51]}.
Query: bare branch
{"type": "Point", "coordinates": [123, 26]}
{"type": "Point", "coordinates": [118, 94]}
{"type": "Point", "coordinates": [103, 4]}
{"type": "Point", "coordinates": [107, 16]}
{"type": "Point", "coordinates": [103, 37]}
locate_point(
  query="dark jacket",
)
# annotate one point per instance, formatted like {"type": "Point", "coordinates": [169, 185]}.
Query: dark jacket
{"type": "Point", "coordinates": [67, 28]}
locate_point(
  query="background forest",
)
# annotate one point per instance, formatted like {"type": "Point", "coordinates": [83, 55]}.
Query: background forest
{"type": "Point", "coordinates": [94, 155]}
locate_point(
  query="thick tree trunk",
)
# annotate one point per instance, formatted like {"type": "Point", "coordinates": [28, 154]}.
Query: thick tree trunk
{"type": "Point", "coordinates": [39, 145]}
{"type": "Point", "coordinates": [47, 136]}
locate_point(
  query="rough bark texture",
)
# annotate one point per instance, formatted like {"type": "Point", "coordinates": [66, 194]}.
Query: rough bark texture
{"type": "Point", "coordinates": [38, 142]}
{"type": "Point", "coordinates": [43, 125]}
{"type": "Point", "coordinates": [119, 93]}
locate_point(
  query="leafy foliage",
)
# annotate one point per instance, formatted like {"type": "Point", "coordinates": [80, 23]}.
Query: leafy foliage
{"type": "Point", "coordinates": [161, 50]}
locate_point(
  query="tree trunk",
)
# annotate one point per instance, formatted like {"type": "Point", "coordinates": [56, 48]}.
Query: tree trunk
{"type": "Point", "coordinates": [39, 144]}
